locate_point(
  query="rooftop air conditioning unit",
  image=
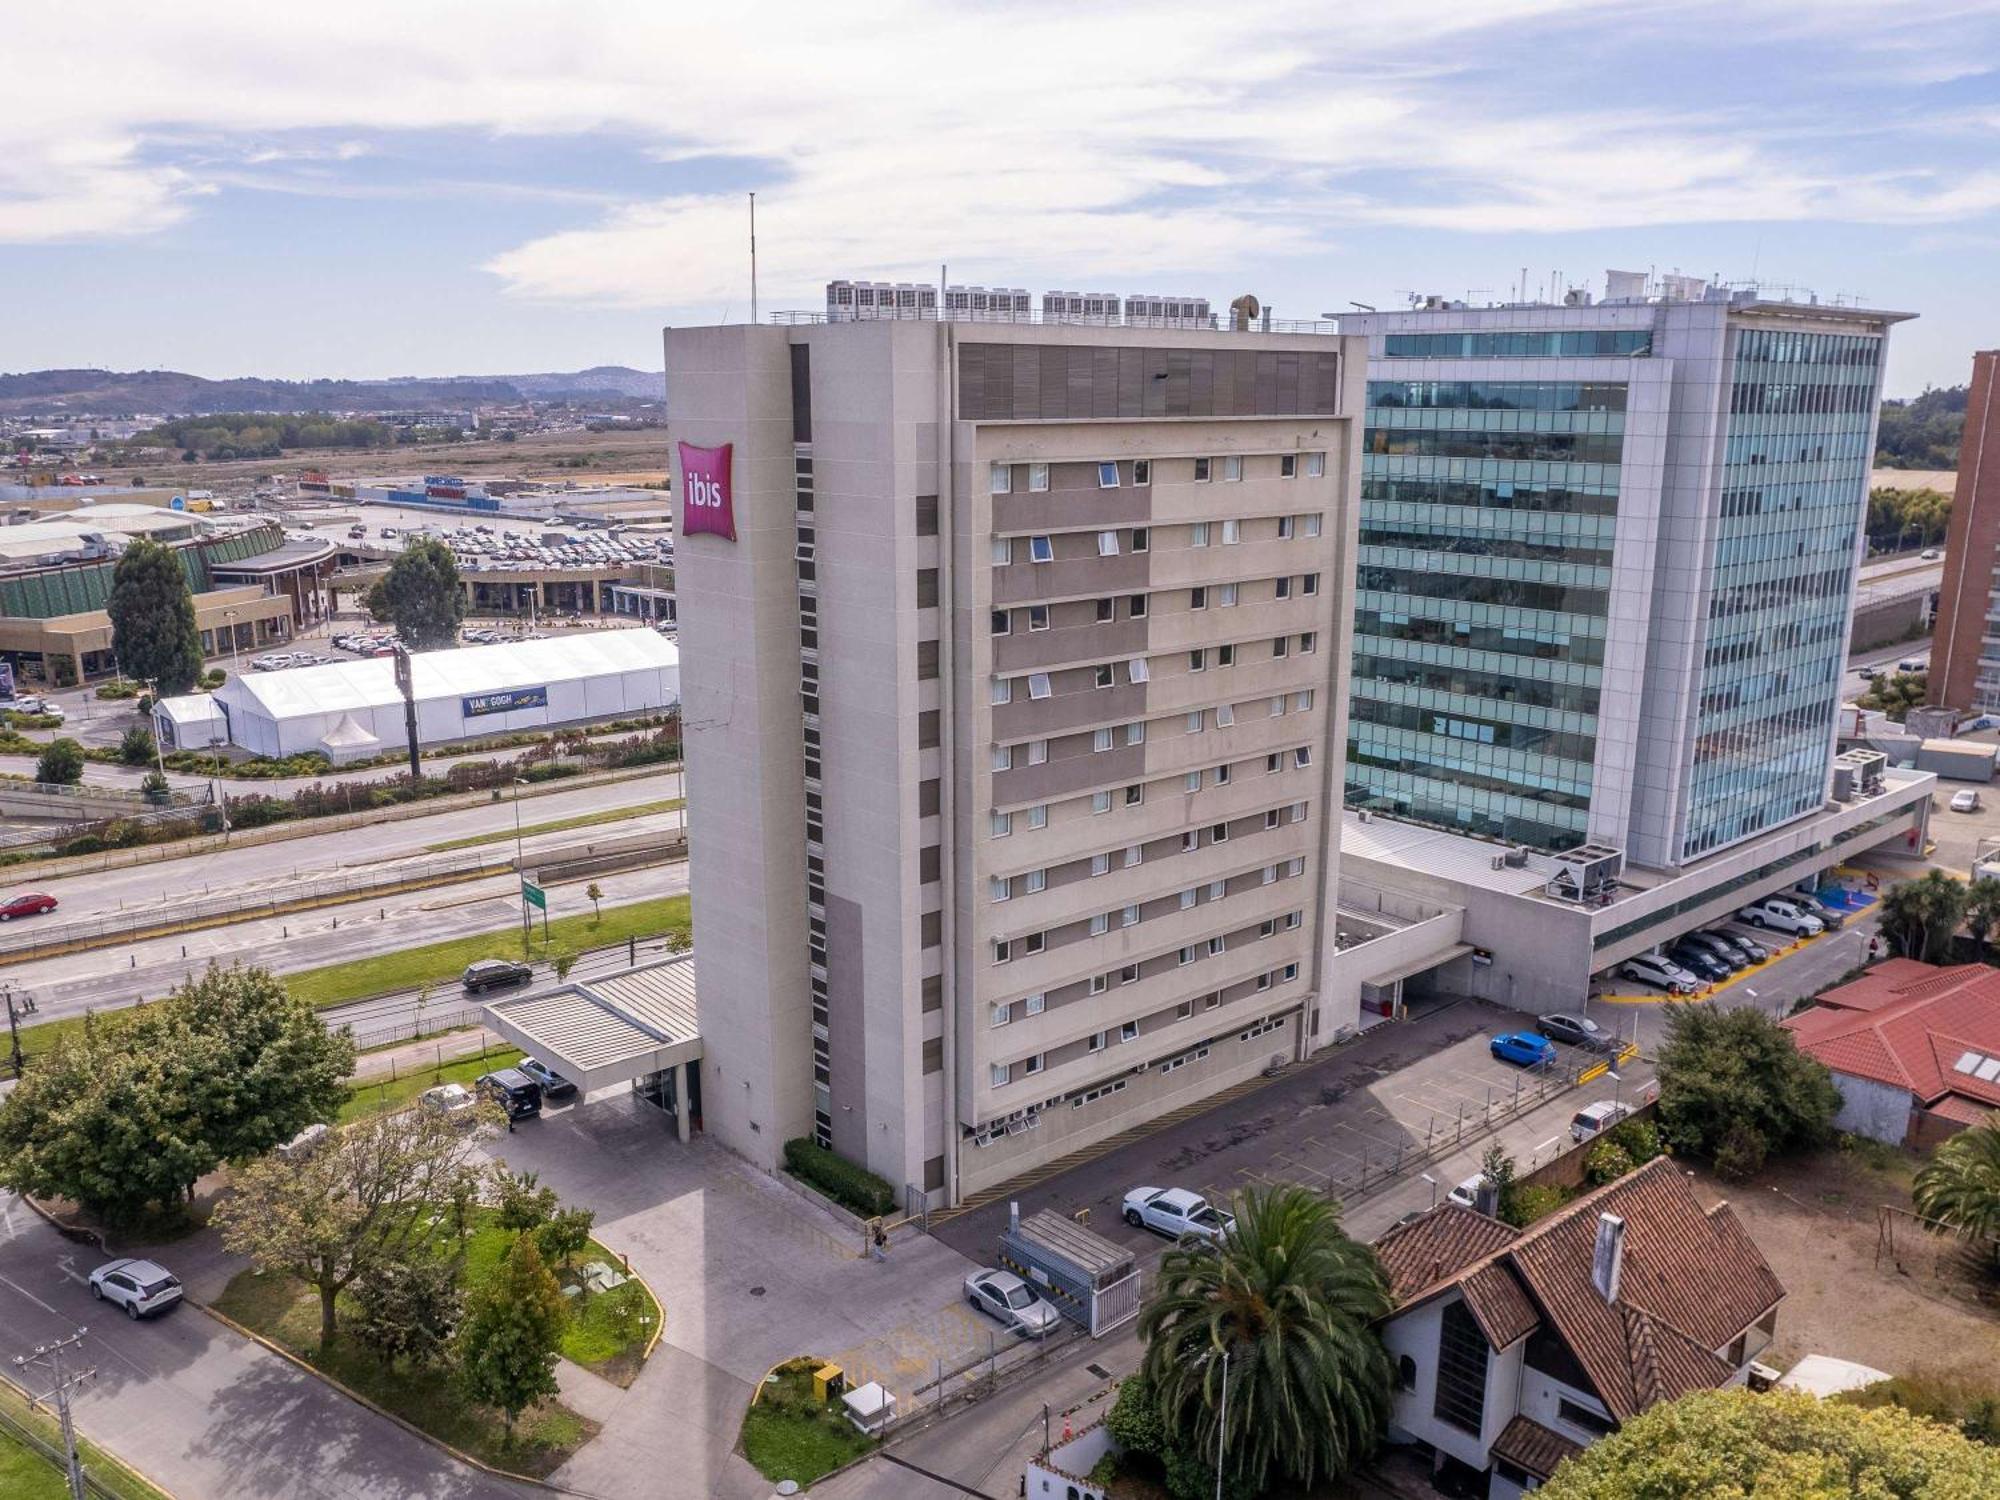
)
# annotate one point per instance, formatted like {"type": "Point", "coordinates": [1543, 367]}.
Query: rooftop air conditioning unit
{"type": "Point", "coordinates": [1499, 861]}
{"type": "Point", "coordinates": [1517, 857]}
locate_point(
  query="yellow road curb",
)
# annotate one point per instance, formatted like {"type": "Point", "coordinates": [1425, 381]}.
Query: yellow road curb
{"type": "Point", "coordinates": [1708, 992]}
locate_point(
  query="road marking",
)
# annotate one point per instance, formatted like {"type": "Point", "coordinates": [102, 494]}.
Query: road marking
{"type": "Point", "coordinates": [1546, 1144]}
{"type": "Point", "coordinates": [9, 1281]}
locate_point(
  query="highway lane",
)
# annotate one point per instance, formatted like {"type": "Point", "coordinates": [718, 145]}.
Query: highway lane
{"type": "Point", "coordinates": [256, 866]}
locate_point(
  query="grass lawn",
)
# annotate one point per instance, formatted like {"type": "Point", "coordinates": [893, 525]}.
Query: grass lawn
{"type": "Point", "coordinates": [581, 820]}
{"type": "Point", "coordinates": [26, 1475]}
{"type": "Point", "coordinates": [789, 1435]}
{"type": "Point", "coordinates": [383, 1093]}
{"type": "Point", "coordinates": [608, 1330]}
{"type": "Point", "coordinates": [287, 1312]}
{"type": "Point", "coordinates": [441, 963]}
{"type": "Point", "coordinates": [43, 1035]}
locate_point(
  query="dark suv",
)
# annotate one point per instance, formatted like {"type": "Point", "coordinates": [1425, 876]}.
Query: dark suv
{"type": "Point", "coordinates": [514, 1091]}
{"type": "Point", "coordinates": [1701, 960]}
{"type": "Point", "coordinates": [494, 974]}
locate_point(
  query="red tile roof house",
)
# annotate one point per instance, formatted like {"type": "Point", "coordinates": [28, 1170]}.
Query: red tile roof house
{"type": "Point", "coordinates": [1913, 1048]}
{"type": "Point", "coordinates": [1514, 1348]}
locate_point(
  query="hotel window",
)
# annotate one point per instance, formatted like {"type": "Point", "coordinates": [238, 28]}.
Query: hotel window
{"type": "Point", "coordinates": [1191, 782]}
{"type": "Point", "coordinates": [1038, 477]}
{"type": "Point", "coordinates": [1003, 758]}
{"type": "Point", "coordinates": [1198, 660]}
{"type": "Point", "coordinates": [1103, 675]}
{"type": "Point", "coordinates": [1315, 465]}
{"type": "Point", "coordinates": [1278, 706]}
{"type": "Point", "coordinates": [1003, 824]}
{"type": "Point", "coordinates": [1219, 833]}
{"type": "Point", "coordinates": [1002, 951]}
{"type": "Point", "coordinates": [1271, 818]}
{"type": "Point", "coordinates": [1002, 1013]}
{"type": "Point", "coordinates": [1099, 983]}
{"type": "Point", "coordinates": [1302, 757]}
{"type": "Point", "coordinates": [1232, 532]}
{"type": "Point", "coordinates": [1035, 1004]}
{"type": "Point", "coordinates": [1141, 539]}
{"type": "Point", "coordinates": [1211, 1000]}
{"type": "Point", "coordinates": [1107, 476]}
{"type": "Point", "coordinates": [1038, 617]}
{"type": "Point", "coordinates": [1186, 956]}
{"type": "Point", "coordinates": [1217, 889]}
{"type": "Point", "coordinates": [1003, 552]}
{"type": "Point", "coordinates": [1129, 974]}
{"type": "Point", "coordinates": [1135, 794]}
{"type": "Point", "coordinates": [1198, 597]}
{"type": "Point", "coordinates": [1196, 722]}
{"type": "Point", "coordinates": [1188, 899]}
{"type": "Point", "coordinates": [1142, 471]}
{"type": "Point", "coordinates": [1298, 809]}
{"type": "Point", "coordinates": [1296, 866]}
{"type": "Point", "coordinates": [1281, 646]}
{"type": "Point", "coordinates": [1136, 670]}
{"type": "Point", "coordinates": [1129, 917]}
{"type": "Point", "coordinates": [1283, 588]}
{"type": "Point", "coordinates": [1311, 584]}
{"type": "Point", "coordinates": [1263, 982]}
{"type": "Point", "coordinates": [1038, 685]}
{"type": "Point", "coordinates": [1293, 920]}
{"type": "Point", "coordinates": [1302, 701]}
{"type": "Point", "coordinates": [1133, 855]}
{"type": "Point", "coordinates": [1100, 864]}
{"type": "Point", "coordinates": [1135, 606]}
{"type": "Point", "coordinates": [1135, 734]}
{"type": "Point", "coordinates": [1041, 549]}
{"type": "Point", "coordinates": [1225, 715]}
{"type": "Point", "coordinates": [1184, 1010]}
{"type": "Point", "coordinates": [1190, 841]}
{"type": "Point", "coordinates": [1000, 887]}
{"type": "Point", "coordinates": [1101, 739]}
{"type": "Point", "coordinates": [1003, 622]}
{"type": "Point", "coordinates": [1096, 1042]}
{"type": "Point", "coordinates": [1222, 775]}
{"type": "Point", "coordinates": [1100, 802]}
{"type": "Point", "coordinates": [1308, 642]}
{"type": "Point", "coordinates": [1035, 942]}
{"type": "Point", "coordinates": [999, 1074]}
{"type": "Point", "coordinates": [1270, 875]}
{"type": "Point", "coordinates": [1273, 763]}
{"type": "Point", "coordinates": [1268, 927]}
{"type": "Point", "coordinates": [1227, 595]}
{"type": "Point", "coordinates": [1201, 471]}
{"type": "Point", "coordinates": [1312, 525]}
{"type": "Point", "coordinates": [1038, 815]}
{"type": "Point", "coordinates": [1036, 881]}
{"type": "Point", "coordinates": [1232, 469]}
{"type": "Point", "coordinates": [1225, 656]}
{"type": "Point", "coordinates": [1291, 972]}
{"type": "Point", "coordinates": [1198, 534]}
{"type": "Point", "coordinates": [1107, 611]}
{"type": "Point", "coordinates": [1003, 690]}
{"type": "Point", "coordinates": [1038, 752]}
{"type": "Point", "coordinates": [1288, 466]}
{"type": "Point", "coordinates": [1107, 544]}
{"type": "Point", "coordinates": [1284, 528]}
{"type": "Point", "coordinates": [1128, 1031]}
{"type": "Point", "coordinates": [1000, 478]}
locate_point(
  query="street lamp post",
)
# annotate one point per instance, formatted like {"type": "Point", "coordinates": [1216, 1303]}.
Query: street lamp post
{"type": "Point", "coordinates": [521, 870]}
{"type": "Point", "coordinates": [229, 616]}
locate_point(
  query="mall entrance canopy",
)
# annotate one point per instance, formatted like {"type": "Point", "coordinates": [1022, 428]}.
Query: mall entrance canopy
{"type": "Point", "coordinates": [626, 1027]}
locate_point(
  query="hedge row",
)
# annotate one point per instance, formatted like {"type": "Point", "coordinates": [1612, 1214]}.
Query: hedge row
{"type": "Point", "coordinates": [851, 1186]}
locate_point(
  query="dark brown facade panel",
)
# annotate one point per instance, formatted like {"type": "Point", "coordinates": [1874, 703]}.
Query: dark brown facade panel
{"type": "Point", "coordinates": [1063, 382]}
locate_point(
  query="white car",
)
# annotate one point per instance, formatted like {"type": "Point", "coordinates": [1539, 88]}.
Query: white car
{"type": "Point", "coordinates": [452, 1100]}
{"type": "Point", "coordinates": [1661, 973]}
{"type": "Point", "coordinates": [1176, 1212]}
{"type": "Point", "coordinates": [1003, 1295]}
{"type": "Point", "coordinates": [1783, 916]}
{"type": "Point", "coordinates": [1966, 800]}
{"type": "Point", "coordinates": [139, 1286]}
{"type": "Point", "coordinates": [1466, 1194]}
{"type": "Point", "coordinates": [1594, 1118]}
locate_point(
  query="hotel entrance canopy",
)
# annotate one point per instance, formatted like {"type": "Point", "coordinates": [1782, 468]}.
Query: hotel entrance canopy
{"type": "Point", "coordinates": [601, 1032]}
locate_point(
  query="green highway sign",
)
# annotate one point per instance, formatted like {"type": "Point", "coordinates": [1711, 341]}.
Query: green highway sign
{"type": "Point", "coordinates": [534, 895]}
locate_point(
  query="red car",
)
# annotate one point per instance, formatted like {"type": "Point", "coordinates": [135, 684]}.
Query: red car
{"type": "Point", "coordinates": [28, 904]}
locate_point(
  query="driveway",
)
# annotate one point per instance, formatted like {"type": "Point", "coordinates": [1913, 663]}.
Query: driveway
{"type": "Point", "coordinates": [749, 1274]}
{"type": "Point", "coordinates": [201, 1409]}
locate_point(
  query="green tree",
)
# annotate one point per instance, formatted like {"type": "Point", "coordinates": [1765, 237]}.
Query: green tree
{"type": "Point", "coordinates": [1292, 1302]}
{"type": "Point", "coordinates": [153, 631]}
{"type": "Point", "coordinates": [565, 1236]}
{"type": "Point", "coordinates": [407, 1310]}
{"type": "Point", "coordinates": [420, 595]}
{"type": "Point", "coordinates": [60, 763]}
{"type": "Point", "coordinates": [1982, 909]}
{"type": "Point", "coordinates": [594, 894]}
{"type": "Point", "coordinates": [1782, 1445]}
{"type": "Point", "coordinates": [521, 1203]}
{"type": "Point", "coordinates": [1734, 1088]}
{"type": "Point", "coordinates": [1897, 694]}
{"type": "Point", "coordinates": [136, 747]}
{"type": "Point", "coordinates": [1961, 1187]}
{"type": "Point", "coordinates": [1921, 916]}
{"type": "Point", "coordinates": [1499, 1170]}
{"type": "Point", "coordinates": [513, 1328]}
{"type": "Point", "coordinates": [363, 1201]}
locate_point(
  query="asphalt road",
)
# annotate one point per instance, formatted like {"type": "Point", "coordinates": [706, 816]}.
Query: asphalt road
{"type": "Point", "coordinates": [203, 1410]}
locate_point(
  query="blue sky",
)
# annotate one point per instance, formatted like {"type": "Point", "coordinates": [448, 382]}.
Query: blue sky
{"type": "Point", "coordinates": [414, 189]}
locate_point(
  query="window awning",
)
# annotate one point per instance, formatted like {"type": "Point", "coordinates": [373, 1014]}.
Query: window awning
{"type": "Point", "coordinates": [601, 1032]}
{"type": "Point", "coordinates": [1419, 965]}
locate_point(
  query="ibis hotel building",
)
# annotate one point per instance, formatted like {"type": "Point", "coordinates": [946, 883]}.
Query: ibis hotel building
{"type": "Point", "coordinates": [1014, 671]}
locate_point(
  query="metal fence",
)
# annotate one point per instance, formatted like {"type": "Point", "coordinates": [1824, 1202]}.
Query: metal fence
{"type": "Point", "coordinates": [144, 814]}
{"type": "Point", "coordinates": [194, 910]}
{"type": "Point", "coordinates": [432, 1023]}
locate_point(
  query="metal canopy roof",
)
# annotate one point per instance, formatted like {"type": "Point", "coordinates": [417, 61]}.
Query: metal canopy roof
{"type": "Point", "coordinates": [1420, 965]}
{"type": "Point", "coordinates": [606, 1031]}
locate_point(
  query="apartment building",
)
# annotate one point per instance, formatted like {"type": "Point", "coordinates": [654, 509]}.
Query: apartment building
{"type": "Point", "coordinates": [1607, 563]}
{"type": "Point", "coordinates": [1014, 660]}
{"type": "Point", "coordinates": [1965, 654]}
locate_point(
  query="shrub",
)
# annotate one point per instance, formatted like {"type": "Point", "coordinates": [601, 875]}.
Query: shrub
{"type": "Point", "coordinates": [1955, 1400]}
{"type": "Point", "coordinates": [32, 721]}
{"type": "Point", "coordinates": [135, 746]}
{"type": "Point", "coordinates": [112, 692]}
{"type": "Point", "coordinates": [848, 1184]}
{"type": "Point", "coordinates": [1607, 1161]}
{"type": "Point", "coordinates": [257, 812]}
{"type": "Point", "coordinates": [61, 764]}
{"type": "Point", "coordinates": [1638, 1139]}
{"type": "Point", "coordinates": [1536, 1200]}
{"type": "Point", "coordinates": [214, 678]}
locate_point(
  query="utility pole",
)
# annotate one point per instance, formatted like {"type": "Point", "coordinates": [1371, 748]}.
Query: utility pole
{"type": "Point", "coordinates": [51, 1355]}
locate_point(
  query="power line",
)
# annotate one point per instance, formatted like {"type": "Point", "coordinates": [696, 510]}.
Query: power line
{"type": "Point", "coordinates": [51, 1356]}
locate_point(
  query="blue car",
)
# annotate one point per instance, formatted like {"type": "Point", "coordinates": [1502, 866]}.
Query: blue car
{"type": "Point", "coordinates": [1524, 1048]}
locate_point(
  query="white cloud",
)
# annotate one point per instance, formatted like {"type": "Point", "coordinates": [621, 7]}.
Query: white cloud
{"type": "Point", "coordinates": [1023, 143]}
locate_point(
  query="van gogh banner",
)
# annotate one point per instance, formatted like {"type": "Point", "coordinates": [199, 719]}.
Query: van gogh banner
{"type": "Point", "coordinates": [507, 702]}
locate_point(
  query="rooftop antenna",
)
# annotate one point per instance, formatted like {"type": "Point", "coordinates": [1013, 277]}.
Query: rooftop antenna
{"type": "Point", "coordinates": [753, 258]}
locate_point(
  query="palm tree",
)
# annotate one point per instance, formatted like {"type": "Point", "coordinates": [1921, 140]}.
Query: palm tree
{"type": "Point", "coordinates": [1921, 916]}
{"type": "Point", "coordinates": [1961, 1187]}
{"type": "Point", "coordinates": [1982, 909]}
{"type": "Point", "coordinates": [1284, 1311]}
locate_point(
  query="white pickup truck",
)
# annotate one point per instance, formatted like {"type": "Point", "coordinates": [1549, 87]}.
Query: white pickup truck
{"type": "Point", "coordinates": [1176, 1212]}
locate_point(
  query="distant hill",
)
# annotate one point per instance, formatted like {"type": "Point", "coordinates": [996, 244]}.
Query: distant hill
{"type": "Point", "coordinates": [173, 392]}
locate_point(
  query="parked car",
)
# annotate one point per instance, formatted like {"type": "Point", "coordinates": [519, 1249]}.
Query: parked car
{"type": "Point", "coordinates": [1731, 952]}
{"type": "Point", "coordinates": [1661, 973]}
{"type": "Point", "coordinates": [1523, 1048]}
{"type": "Point", "coordinates": [1466, 1194]}
{"type": "Point", "coordinates": [494, 974]}
{"type": "Point", "coordinates": [1831, 917]}
{"type": "Point", "coordinates": [554, 1085]}
{"type": "Point", "coordinates": [1931, 554]}
{"type": "Point", "coordinates": [1869, 674]}
{"type": "Point", "coordinates": [1756, 951]}
{"type": "Point", "coordinates": [1003, 1295]}
{"type": "Point", "coordinates": [1176, 1212]}
{"type": "Point", "coordinates": [1913, 664]}
{"type": "Point", "coordinates": [1575, 1030]}
{"type": "Point", "coordinates": [451, 1100]}
{"type": "Point", "coordinates": [514, 1091]}
{"type": "Point", "coordinates": [27, 904]}
{"type": "Point", "coordinates": [1783, 915]}
{"type": "Point", "coordinates": [1698, 961]}
{"type": "Point", "coordinates": [1594, 1118]}
{"type": "Point", "coordinates": [141, 1287]}
{"type": "Point", "coordinates": [1965, 800]}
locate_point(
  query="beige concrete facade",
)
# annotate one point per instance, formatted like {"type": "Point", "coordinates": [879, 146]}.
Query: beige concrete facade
{"type": "Point", "coordinates": [1014, 718]}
